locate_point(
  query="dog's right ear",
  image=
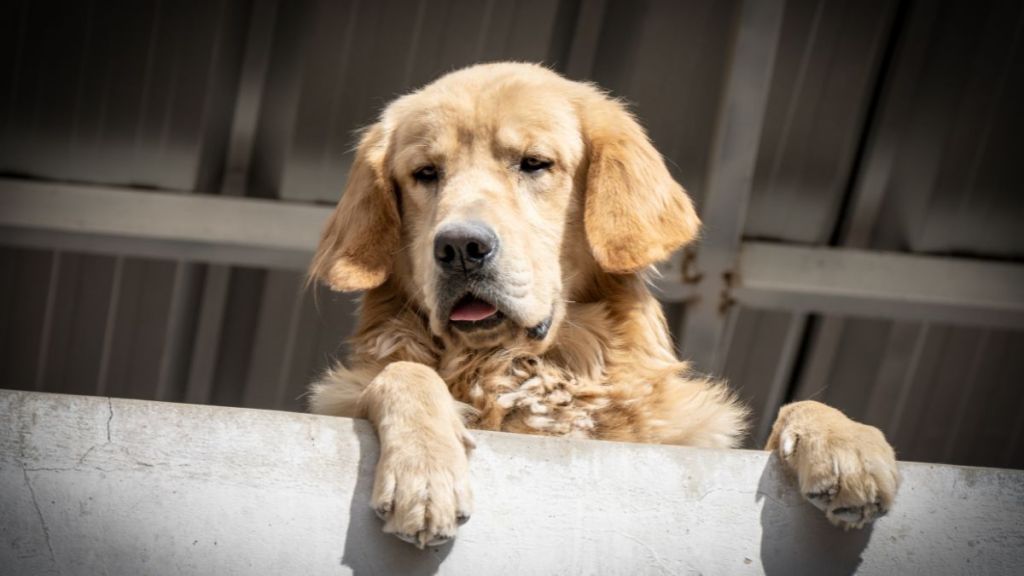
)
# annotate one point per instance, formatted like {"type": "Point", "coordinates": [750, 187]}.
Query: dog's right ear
{"type": "Point", "coordinates": [358, 246]}
{"type": "Point", "coordinates": [635, 213]}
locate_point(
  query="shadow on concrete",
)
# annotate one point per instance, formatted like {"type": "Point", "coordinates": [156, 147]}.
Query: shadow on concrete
{"type": "Point", "coordinates": [796, 538]}
{"type": "Point", "coordinates": [368, 550]}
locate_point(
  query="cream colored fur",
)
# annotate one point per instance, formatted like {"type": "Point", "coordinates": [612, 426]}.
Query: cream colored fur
{"type": "Point", "coordinates": [575, 241]}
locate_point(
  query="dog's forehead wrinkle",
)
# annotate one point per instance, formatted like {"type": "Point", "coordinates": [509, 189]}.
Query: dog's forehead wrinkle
{"type": "Point", "coordinates": [507, 109]}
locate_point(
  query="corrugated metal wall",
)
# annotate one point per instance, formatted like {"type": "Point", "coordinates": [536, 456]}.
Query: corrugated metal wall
{"type": "Point", "coordinates": [890, 125]}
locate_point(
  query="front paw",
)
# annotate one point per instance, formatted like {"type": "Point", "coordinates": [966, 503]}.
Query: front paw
{"type": "Point", "coordinates": [845, 468]}
{"type": "Point", "coordinates": [422, 489]}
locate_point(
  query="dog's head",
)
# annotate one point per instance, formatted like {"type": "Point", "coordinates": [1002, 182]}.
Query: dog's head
{"type": "Point", "coordinates": [494, 195]}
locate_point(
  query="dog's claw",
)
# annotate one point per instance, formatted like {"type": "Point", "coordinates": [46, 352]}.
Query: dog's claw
{"type": "Point", "coordinates": [410, 538]}
{"type": "Point", "coordinates": [439, 540]}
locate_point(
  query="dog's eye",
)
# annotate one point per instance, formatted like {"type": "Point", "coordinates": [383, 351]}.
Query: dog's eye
{"type": "Point", "coordinates": [425, 174]}
{"type": "Point", "coordinates": [534, 164]}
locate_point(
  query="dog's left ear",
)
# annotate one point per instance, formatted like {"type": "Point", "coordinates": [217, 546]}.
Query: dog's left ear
{"type": "Point", "coordinates": [358, 246]}
{"type": "Point", "coordinates": [635, 214]}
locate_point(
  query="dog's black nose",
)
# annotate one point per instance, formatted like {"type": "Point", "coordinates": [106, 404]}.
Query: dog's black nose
{"type": "Point", "coordinates": [464, 246]}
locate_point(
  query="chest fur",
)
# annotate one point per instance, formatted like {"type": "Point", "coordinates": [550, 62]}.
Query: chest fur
{"type": "Point", "coordinates": [528, 394]}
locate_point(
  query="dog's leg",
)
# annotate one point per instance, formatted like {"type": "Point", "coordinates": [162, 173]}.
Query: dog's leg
{"type": "Point", "coordinates": [845, 468]}
{"type": "Point", "coordinates": [421, 489]}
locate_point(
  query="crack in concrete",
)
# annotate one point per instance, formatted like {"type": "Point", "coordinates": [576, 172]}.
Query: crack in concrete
{"type": "Point", "coordinates": [79, 464]}
{"type": "Point", "coordinates": [758, 495]}
{"type": "Point", "coordinates": [86, 455]}
{"type": "Point", "coordinates": [39, 512]}
{"type": "Point", "coordinates": [81, 460]}
{"type": "Point", "coordinates": [664, 569]}
{"type": "Point", "coordinates": [110, 407]}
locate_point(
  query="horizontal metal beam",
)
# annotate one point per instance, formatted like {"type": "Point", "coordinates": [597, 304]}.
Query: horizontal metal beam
{"type": "Point", "coordinates": [96, 486]}
{"type": "Point", "coordinates": [159, 224]}
{"type": "Point", "coordinates": [880, 284]}
{"type": "Point", "coordinates": [276, 234]}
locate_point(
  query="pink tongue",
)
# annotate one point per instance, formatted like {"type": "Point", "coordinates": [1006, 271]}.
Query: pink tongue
{"type": "Point", "coordinates": [473, 311]}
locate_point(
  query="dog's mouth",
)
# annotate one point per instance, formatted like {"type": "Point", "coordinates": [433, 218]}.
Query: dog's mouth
{"type": "Point", "coordinates": [474, 313]}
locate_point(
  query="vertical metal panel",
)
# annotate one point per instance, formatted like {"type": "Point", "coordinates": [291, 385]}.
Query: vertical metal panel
{"type": "Point", "coordinates": [179, 331]}
{"type": "Point", "coordinates": [295, 341]}
{"type": "Point", "coordinates": [108, 327]}
{"type": "Point", "coordinates": [207, 336]}
{"type": "Point", "coordinates": [76, 341]}
{"type": "Point", "coordinates": [824, 78]}
{"type": "Point", "coordinates": [241, 316]}
{"type": "Point", "coordinates": [585, 38]}
{"type": "Point", "coordinates": [955, 163]}
{"type": "Point", "coordinates": [106, 92]}
{"type": "Point", "coordinates": [888, 398]}
{"type": "Point", "coordinates": [1012, 453]}
{"type": "Point", "coordinates": [980, 163]}
{"type": "Point", "coordinates": [993, 408]}
{"type": "Point", "coordinates": [326, 320]}
{"type": "Point", "coordinates": [848, 374]}
{"type": "Point", "coordinates": [944, 373]}
{"type": "Point", "coordinates": [274, 338]}
{"type": "Point", "coordinates": [47, 319]}
{"type": "Point", "coordinates": [140, 328]}
{"type": "Point", "coordinates": [25, 278]}
{"type": "Point", "coordinates": [758, 363]}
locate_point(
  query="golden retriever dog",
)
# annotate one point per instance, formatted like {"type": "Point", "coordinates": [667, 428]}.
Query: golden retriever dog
{"type": "Point", "coordinates": [501, 222]}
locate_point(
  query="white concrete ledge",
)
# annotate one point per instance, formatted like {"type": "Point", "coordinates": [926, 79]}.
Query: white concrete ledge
{"type": "Point", "coordinates": [97, 486]}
